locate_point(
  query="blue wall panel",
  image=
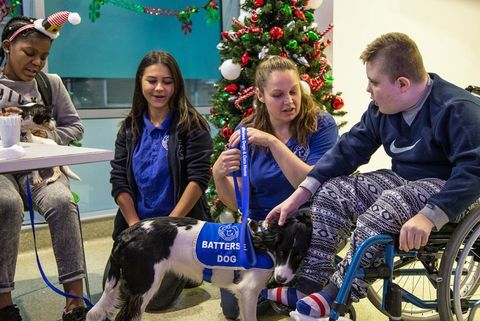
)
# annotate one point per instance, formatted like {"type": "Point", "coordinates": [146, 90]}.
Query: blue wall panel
{"type": "Point", "coordinates": [95, 189]}
{"type": "Point", "coordinates": [112, 46]}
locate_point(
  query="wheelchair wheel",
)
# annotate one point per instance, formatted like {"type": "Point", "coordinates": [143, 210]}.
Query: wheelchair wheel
{"type": "Point", "coordinates": [415, 283]}
{"type": "Point", "coordinates": [460, 270]}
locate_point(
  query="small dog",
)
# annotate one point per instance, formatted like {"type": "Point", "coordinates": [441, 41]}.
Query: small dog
{"type": "Point", "coordinates": [36, 119]}
{"type": "Point", "coordinates": [143, 253]}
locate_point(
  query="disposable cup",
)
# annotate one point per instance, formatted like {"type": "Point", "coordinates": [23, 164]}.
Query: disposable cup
{"type": "Point", "coordinates": [10, 130]}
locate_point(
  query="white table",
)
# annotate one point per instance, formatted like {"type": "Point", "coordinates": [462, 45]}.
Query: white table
{"type": "Point", "coordinates": [41, 156]}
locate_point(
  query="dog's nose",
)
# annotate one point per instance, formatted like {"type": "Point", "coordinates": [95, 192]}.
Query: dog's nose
{"type": "Point", "coordinates": [280, 279]}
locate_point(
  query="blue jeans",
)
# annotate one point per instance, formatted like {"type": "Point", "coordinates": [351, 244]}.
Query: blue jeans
{"type": "Point", "coordinates": [55, 203]}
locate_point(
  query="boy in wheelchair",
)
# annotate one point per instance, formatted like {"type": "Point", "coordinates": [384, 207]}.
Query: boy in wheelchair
{"type": "Point", "coordinates": [429, 127]}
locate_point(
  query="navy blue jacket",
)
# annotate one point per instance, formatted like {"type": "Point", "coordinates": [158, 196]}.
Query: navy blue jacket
{"type": "Point", "coordinates": [442, 142]}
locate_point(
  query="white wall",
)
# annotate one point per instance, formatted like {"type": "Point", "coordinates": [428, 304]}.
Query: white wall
{"type": "Point", "coordinates": [446, 32]}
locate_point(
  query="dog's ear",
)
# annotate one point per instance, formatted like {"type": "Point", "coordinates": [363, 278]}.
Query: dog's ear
{"type": "Point", "coordinates": [303, 226]}
{"type": "Point", "coordinates": [304, 217]}
{"type": "Point", "coordinates": [267, 239]}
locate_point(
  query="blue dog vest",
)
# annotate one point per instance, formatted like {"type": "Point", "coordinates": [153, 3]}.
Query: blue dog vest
{"type": "Point", "coordinates": [218, 246]}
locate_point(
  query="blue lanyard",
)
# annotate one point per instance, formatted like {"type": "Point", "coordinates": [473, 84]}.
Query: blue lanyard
{"type": "Point", "coordinates": [247, 254]}
{"type": "Point", "coordinates": [32, 222]}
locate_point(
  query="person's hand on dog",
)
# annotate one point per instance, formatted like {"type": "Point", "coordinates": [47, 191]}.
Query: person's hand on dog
{"type": "Point", "coordinates": [289, 206]}
{"type": "Point", "coordinates": [415, 232]}
{"type": "Point", "coordinates": [255, 137]}
{"type": "Point", "coordinates": [228, 162]}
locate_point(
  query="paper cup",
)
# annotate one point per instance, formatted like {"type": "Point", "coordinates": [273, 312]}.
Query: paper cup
{"type": "Point", "coordinates": [10, 130]}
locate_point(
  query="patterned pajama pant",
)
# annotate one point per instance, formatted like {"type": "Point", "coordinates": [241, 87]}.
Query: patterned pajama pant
{"type": "Point", "coordinates": [369, 204]}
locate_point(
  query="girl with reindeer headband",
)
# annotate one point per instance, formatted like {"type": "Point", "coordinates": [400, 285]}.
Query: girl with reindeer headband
{"type": "Point", "coordinates": [288, 133]}
{"type": "Point", "coordinates": [26, 44]}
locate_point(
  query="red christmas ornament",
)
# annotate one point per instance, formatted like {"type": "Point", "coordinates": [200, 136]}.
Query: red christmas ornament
{"type": "Point", "coordinates": [212, 111]}
{"type": "Point", "coordinates": [231, 89]}
{"type": "Point", "coordinates": [248, 112]}
{"type": "Point", "coordinates": [305, 39]}
{"type": "Point", "coordinates": [226, 132]}
{"type": "Point", "coordinates": [300, 14]}
{"type": "Point", "coordinates": [259, 3]}
{"type": "Point", "coordinates": [245, 59]}
{"type": "Point", "coordinates": [276, 33]}
{"type": "Point", "coordinates": [337, 103]}
{"type": "Point", "coordinates": [283, 55]}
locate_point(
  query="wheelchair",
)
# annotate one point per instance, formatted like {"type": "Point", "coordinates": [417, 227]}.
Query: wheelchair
{"type": "Point", "coordinates": [438, 282]}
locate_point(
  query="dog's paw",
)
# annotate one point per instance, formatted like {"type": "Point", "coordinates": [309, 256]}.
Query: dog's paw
{"type": "Point", "coordinates": [36, 178]}
{"type": "Point", "coordinates": [51, 179]}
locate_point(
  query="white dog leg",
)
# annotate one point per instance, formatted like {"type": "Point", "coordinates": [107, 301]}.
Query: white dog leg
{"type": "Point", "coordinates": [253, 281]}
{"type": "Point", "coordinates": [160, 270]}
{"type": "Point", "coordinates": [56, 174]}
{"type": "Point", "coordinates": [106, 307]}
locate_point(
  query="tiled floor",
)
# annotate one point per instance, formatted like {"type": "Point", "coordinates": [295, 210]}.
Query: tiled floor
{"type": "Point", "coordinates": [38, 303]}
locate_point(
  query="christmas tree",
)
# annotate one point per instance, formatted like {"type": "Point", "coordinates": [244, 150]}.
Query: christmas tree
{"type": "Point", "coordinates": [267, 27]}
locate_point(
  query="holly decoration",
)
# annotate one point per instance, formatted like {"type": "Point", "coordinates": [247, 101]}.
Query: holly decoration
{"type": "Point", "coordinates": [268, 27]}
{"type": "Point", "coordinates": [9, 8]}
{"type": "Point", "coordinates": [184, 16]}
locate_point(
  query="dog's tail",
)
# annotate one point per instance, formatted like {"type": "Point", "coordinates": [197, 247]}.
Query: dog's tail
{"type": "Point", "coordinates": [69, 173]}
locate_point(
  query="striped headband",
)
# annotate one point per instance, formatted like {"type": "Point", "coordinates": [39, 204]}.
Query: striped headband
{"type": "Point", "coordinates": [50, 26]}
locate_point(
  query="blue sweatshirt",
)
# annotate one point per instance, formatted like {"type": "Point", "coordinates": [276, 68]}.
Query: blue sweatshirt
{"type": "Point", "coordinates": [443, 141]}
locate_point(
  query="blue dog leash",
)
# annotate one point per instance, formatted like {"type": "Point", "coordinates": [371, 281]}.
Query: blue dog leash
{"type": "Point", "coordinates": [247, 255]}
{"type": "Point", "coordinates": [45, 279]}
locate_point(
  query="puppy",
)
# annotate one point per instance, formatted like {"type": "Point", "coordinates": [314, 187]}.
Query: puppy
{"type": "Point", "coordinates": [143, 253]}
{"type": "Point", "coordinates": [36, 120]}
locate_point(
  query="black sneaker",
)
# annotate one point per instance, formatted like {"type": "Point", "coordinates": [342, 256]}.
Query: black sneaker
{"type": "Point", "coordinates": [280, 308]}
{"type": "Point", "coordinates": [10, 313]}
{"type": "Point", "coordinates": [76, 314]}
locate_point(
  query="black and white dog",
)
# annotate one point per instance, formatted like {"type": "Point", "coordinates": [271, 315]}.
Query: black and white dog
{"type": "Point", "coordinates": [143, 253]}
{"type": "Point", "coordinates": [36, 120]}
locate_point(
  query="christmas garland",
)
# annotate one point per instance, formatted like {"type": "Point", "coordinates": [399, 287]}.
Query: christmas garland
{"type": "Point", "coordinates": [184, 16]}
{"type": "Point", "coordinates": [7, 9]}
